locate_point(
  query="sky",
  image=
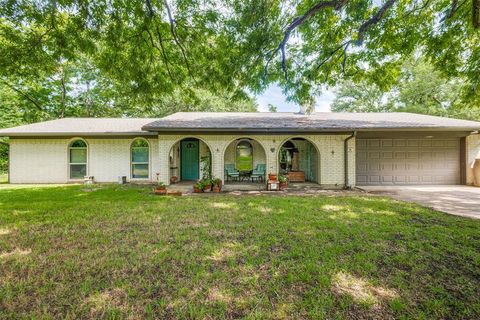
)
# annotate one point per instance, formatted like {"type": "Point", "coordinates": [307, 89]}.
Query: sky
{"type": "Point", "coordinates": [273, 95]}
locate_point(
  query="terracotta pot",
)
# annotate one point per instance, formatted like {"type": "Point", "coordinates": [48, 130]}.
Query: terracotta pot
{"type": "Point", "coordinates": [197, 190]}
{"type": "Point", "coordinates": [160, 191]}
{"type": "Point", "coordinates": [207, 188]}
{"type": "Point", "coordinates": [216, 189]}
{"type": "Point", "coordinates": [173, 179]}
{"type": "Point", "coordinates": [283, 185]}
{"type": "Point", "coordinates": [272, 176]}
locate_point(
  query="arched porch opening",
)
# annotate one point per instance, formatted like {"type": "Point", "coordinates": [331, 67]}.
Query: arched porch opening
{"type": "Point", "coordinates": [245, 161]}
{"type": "Point", "coordinates": [298, 160]}
{"type": "Point", "coordinates": [190, 159]}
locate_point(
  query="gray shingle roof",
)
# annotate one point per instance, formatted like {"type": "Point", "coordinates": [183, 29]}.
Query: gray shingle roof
{"type": "Point", "coordinates": [320, 121]}
{"type": "Point", "coordinates": [241, 121]}
{"type": "Point", "coordinates": [82, 126]}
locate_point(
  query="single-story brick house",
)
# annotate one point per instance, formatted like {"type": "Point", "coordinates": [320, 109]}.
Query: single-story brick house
{"type": "Point", "coordinates": [331, 149]}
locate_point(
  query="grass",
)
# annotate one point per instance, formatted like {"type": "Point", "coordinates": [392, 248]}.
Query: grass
{"type": "Point", "coordinates": [120, 252]}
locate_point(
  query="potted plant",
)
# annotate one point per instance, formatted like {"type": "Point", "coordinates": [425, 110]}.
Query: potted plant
{"type": "Point", "coordinates": [217, 185]}
{"type": "Point", "coordinates": [173, 179]}
{"type": "Point", "coordinates": [198, 187]}
{"type": "Point", "coordinates": [272, 176]}
{"type": "Point", "coordinates": [283, 182]}
{"type": "Point", "coordinates": [161, 188]}
{"type": "Point", "coordinates": [207, 185]}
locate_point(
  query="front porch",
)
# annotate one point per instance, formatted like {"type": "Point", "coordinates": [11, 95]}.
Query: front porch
{"type": "Point", "coordinates": [186, 187]}
{"type": "Point", "coordinates": [244, 161]}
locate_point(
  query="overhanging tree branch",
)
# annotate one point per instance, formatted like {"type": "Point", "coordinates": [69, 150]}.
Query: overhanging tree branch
{"type": "Point", "coordinates": [476, 13]}
{"type": "Point", "coordinates": [24, 94]}
{"type": "Point", "coordinates": [372, 21]}
{"type": "Point", "coordinates": [175, 36]}
{"type": "Point", "coordinates": [360, 35]}
{"type": "Point", "coordinates": [336, 4]}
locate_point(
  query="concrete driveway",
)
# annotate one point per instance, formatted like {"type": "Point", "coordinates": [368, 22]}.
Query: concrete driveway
{"type": "Point", "coordinates": [458, 200]}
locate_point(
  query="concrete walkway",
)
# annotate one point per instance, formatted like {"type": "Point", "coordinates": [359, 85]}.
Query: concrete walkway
{"type": "Point", "coordinates": [457, 200]}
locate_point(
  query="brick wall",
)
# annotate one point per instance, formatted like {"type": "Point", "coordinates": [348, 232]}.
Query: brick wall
{"type": "Point", "coordinates": [473, 152]}
{"type": "Point", "coordinates": [46, 160]}
{"type": "Point", "coordinates": [330, 147]}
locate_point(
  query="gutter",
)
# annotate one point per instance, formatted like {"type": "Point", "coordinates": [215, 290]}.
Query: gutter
{"type": "Point", "coordinates": [345, 162]}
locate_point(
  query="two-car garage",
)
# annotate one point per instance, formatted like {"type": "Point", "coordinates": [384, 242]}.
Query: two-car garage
{"type": "Point", "coordinates": [409, 160]}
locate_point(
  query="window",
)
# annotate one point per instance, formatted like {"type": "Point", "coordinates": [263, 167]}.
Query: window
{"type": "Point", "coordinates": [140, 159]}
{"type": "Point", "coordinates": [77, 159]}
{"type": "Point", "coordinates": [244, 159]}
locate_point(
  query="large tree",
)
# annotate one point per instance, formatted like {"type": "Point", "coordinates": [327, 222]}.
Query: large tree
{"type": "Point", "coordinates": [419, 88]}
{"type": "Point", "coordinates": [159, 46]}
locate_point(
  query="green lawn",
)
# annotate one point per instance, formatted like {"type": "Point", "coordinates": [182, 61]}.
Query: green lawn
{"type": "Point", "coordinates": [118, 252]}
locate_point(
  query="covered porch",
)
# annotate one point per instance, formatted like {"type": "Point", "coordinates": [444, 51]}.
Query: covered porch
{"type": "Point", "coordinates": [245, 163]}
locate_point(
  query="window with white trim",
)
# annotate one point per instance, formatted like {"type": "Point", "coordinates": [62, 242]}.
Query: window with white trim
{"type": "Point", "coordinates": [77, 159]}
{"type": "Point", "coordinates": [140, 159]}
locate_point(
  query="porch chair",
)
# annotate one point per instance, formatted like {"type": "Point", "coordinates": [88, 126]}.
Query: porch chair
{"type": "Point", "coordinates": [259, 172]}
{"type": "Point", "coordinates": [231, 172]}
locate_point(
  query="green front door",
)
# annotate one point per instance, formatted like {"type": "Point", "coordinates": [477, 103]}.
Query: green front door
{"type": "Point", "coordinates": [189, 160]}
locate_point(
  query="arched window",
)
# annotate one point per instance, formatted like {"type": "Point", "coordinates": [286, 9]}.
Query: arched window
{"type": "Point", "coordinates": [244, 158]}
{"type": "Point", "coordinates": [140, 159]}
{"type": "Point", "coordinates": [77, 159]}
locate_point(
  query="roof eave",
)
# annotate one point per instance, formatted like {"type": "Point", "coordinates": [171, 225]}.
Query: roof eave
{"type": "Point", "coordinates": [280, 130]}
{"type": "Point", "coordinates": [61, 134]}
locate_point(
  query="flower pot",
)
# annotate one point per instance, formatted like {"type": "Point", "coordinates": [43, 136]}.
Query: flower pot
{"type": "Point", "coordinates": [283, 185]}
{"type": "Point", "coordinates": [197, 190]}
{"type": "Point", "coordinates": [173, 179]}
{"type": "Point", "coordinates": [272, 176]}
{"type": "Point", "coordinates": [207, 188]}
{"type": "Point", "coordinates": [216, 189]}
{"type": "Point", "coordinates": [160, 191]}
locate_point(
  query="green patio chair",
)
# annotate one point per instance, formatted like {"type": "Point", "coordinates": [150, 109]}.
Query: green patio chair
{"type": "Point", "coordinates": [231, 172]}
{"type": "Point", "coordinates": [259, 172]}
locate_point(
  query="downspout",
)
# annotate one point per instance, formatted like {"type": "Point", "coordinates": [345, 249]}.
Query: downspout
{"type": "Point", "coordinates": [345, 146]}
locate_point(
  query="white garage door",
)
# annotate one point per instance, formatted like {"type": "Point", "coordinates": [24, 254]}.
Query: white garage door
{"type": "Point", "coordinates": [408, 161]}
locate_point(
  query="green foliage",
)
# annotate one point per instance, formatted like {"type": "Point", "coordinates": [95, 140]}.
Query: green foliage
{"type": "Point", "coordinates": [3, 156]}
{"type": "Point", "coordinates": [145, 50]}
{"type": "Point", "coordinates": [272, 108]}
{"type": "Point", "coordinates": [206, 163]}
{"type": "Point", "coordinates": [419, 88]}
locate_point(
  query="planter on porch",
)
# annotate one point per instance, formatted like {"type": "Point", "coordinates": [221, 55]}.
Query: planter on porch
{"type": "Point", "coordinates": [272, 176]}
{"type": "Point", "coordinates": [160, 189]}
{"type": "Point", "coordinates": [198, 187]}
{"type": "Point", "coordinates": [217, 185]}
{"type": "Point", "coordinates": [283, 182]}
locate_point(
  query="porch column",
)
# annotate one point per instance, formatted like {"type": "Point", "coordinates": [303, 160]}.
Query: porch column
{"type": "Point", "coordinates": [271, 146]}
{"type": "Point", "coordinates": [164, 146]}
{"type": "Point", "coordinates": [217, 159]}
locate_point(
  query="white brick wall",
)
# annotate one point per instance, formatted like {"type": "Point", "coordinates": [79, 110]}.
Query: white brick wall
{"type": "Point", "coordinates": [330, 147]}
{"type": "Point", "coordinates": [46, 160]}
{"type": "Point", "coordinates": [473, 152]}
{"type": "Point", "coordinates": [38, 160]}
